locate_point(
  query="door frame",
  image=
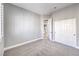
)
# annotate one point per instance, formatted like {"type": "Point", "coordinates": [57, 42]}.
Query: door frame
{"type": "Point", "coordinates": [50, 28]}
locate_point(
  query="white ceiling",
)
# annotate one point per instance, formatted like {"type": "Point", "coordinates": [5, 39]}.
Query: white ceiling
{"type": "Point", "coordinates": [42, 8]}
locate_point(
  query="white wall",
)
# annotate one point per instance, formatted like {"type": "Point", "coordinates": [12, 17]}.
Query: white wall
{"type": "Point", "coordinates": [20, 25]}
{"type": "Point", "coordinates": [69, 13]}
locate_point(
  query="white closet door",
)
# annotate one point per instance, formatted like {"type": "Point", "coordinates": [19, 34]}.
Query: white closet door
{"type": "Point", "coordinates": [65, 31]}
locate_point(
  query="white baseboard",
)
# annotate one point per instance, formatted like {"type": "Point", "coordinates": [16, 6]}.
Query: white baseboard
{"type": "Point", "coordinates": [67, 45]}
{"type": "Point", "coordinates": [20, 44]}
{"type": "Point", "coordinates": [77, 47]}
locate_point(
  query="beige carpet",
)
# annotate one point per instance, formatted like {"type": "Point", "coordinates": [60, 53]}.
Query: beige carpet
{"type": "Point", "coordinates": [42, 48]}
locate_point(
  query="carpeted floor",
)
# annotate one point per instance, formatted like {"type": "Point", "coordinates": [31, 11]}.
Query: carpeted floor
{"type": "Point", "coordinates": [42, 48]}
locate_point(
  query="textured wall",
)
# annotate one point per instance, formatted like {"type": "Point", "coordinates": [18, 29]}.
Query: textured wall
{"type": "Point", "coordinates": [20, 25]}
